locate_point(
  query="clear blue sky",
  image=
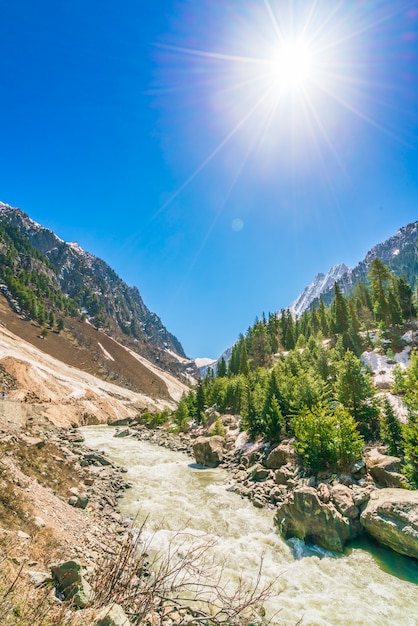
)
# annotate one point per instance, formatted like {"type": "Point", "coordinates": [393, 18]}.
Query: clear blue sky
{"type": "Point", "coordinates": [216, 153]}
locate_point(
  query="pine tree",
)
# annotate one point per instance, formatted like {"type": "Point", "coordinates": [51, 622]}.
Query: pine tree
{"type": "Point", "coordinates": [380, 277]}
{"type": "Point", "coordinates": [410, 444]}
{"type": "Point", "coordinates": [273, 420]}
{"type": "Point", "coordinates": [244, 366]}
{"type": "Point", "coordinates": [323, 318]}
{"type": "Point", "coordinates": [325, 440]}
{"type": "Point", "coordinates": [181, 414]}
{"type": "Point", "coordinates": [354, 391]}
{"type": "Point", "coordinates": [340, 311]}
{"type": "Point", "coordinates": [200, 402]}
{"type": "Point", "coordinates": [405, 296]}
{"type": "Point", "coordinates": [221, 368]}
{"type": "Point", "coordinates": [391, 430]}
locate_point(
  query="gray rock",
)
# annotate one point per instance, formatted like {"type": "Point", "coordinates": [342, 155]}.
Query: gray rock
{"type": "Point", "coordinates": [342, 497]}
{"type": "Point", "coordinates": [391, 517]}
{"type": "Point", "coordinates": [127, 432]}
{"type": "Point", "coordinates": [112, 615]}
{"type": "Point", "coordinates": [360, 495]}
{"type": "Point", "coordinates": [39, 578]}
{"type": "Point", "coordinates": [282, 454]}
{"type": "Point", "coordinates": [385, 469]}
{"type": "Point", "coordinates": [258, 472]}
{"type": "Point", "coordinates": [96, 458]}
{"type": "Point", "coordinates": [71, 583]}
{"type": "Point", "coordinates": [324, 492]}
{"type": "Point", "coordinates": [208, 450]}
{"type": "Point", "coordinates": [121, 422]}
{"type": "Point", "coordinates": [304, 516]}
{"type": "Point", "coordinates": [284, 474]}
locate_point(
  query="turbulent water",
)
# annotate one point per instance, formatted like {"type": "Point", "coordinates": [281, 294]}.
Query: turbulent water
{"type": "Point", "coordinates": [359, 588]}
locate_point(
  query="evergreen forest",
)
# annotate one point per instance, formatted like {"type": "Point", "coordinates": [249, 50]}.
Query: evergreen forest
{"type": "Point", "coordinates": [304, 379]}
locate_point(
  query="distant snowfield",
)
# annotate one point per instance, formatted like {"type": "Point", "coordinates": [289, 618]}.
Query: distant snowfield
{"type": "Point", "coordinates": [202, 362]}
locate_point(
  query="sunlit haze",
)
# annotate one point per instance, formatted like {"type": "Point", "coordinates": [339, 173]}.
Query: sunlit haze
{"type": "Point", "coordinates": [216, 154]}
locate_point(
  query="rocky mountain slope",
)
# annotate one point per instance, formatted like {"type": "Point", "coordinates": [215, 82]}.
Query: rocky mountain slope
{"type": "Point", "coordinates": [399, 253]}
{"type": "Point", "coordinates": [58, 376]}
{"type": "Point", "coordinates": [320, 284]}
{"type": "Point", "coordinates": [94, 288]}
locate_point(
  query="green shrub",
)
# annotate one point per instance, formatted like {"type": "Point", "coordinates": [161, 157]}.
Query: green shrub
{"type": "Point", "coordinates": [326, 439]}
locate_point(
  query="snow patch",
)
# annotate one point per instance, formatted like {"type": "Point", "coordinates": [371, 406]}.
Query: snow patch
{"type": "Point", "coordinates": [320, 284]}
{"type": "Point", "coordinates": [204, 362]}
{"type": "Point", "coordinates": [382, 369]}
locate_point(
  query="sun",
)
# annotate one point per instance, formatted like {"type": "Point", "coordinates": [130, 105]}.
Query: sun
{"type": "Point", "coordinates": [293, 66]}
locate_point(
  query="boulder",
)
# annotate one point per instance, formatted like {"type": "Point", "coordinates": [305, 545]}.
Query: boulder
{"type": "Point", "coordinates": [96, 458]}
{"type": "Point", "coordinates": [112, 615]}
{"type": "Point", "coordinates": [385, 469]}
{"type": "Point", "coordinates": [34, 442]}
{"type": "Point", "coordinates": [342, 497]}
{"type": "Point", "coordinates": [126, 432]}
{"type": "Point", "coordinates": [324, 492]}
{"type": "Point", "coordinates": [39, 579]}
{"type": "Point", "coordinates": [121, 422]}
{"type": "Point", "coordinates": [284, 474]}
{"type": "Point", "coordinates": [71, 583]}
{"type": "Point", "coordinates": [391, 517]}
{"type": "Point", "coordinates": [304, 516]}
{"type": "Point", "coordinates": [282, 454]}
{"type": "Point", "coordinates": [208, 450]}
{"type": "Point", "coordinates": [258, 472]}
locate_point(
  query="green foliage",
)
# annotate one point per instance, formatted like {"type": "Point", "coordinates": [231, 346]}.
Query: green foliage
{"type": "Point", "coordinates": [277, 393]}
{"type": "Point", "coordinates": [27, 274]}
{"type": "Point", "coordinates": [326, 440]}
{"type": "Point", "coordinates": [391, 430]}
{"type": "Point", "coordinates": [354, 391]}
{"type": "Point", "coordinates": [410, 444]}
{"type": "Point", "coordinates": [219, 428]}
{"type": "Point", "coordinates": [221, 368]}
{"type": "Point", "coordinates": [181, 414]}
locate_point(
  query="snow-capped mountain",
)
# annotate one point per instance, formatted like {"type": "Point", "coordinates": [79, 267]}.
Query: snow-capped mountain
{"type": "Point", "coordinates": [399, 253]}
{"type": "Point", "coordinates": [320, 284]}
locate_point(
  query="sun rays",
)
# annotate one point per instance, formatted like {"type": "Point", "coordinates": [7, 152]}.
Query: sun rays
{"type": "Point", "coordinates": [281, 76]}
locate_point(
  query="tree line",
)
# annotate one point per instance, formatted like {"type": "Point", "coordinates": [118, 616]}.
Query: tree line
{"type": "Point", "coordinates": [304, 379]}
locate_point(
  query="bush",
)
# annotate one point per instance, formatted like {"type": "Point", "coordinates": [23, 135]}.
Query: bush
{"type": "Point", "coordinates": [325, 439]}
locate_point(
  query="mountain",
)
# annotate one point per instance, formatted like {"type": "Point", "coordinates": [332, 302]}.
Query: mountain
{"type": "Point", "coordinates": [399, 253]}
{"type": "Point", "coordinates": [49, 278]}
{"type": "Point", "coordinates": [320, 284]}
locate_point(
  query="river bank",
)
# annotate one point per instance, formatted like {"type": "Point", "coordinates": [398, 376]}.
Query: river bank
{"type": "Point", "coordinates": [328, 509]}
{"type": "Point", "coordinates": [174, 494]}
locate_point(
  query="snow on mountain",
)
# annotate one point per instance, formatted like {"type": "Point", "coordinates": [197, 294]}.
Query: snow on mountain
{"type": "Point", "coordinates": [320, 284]}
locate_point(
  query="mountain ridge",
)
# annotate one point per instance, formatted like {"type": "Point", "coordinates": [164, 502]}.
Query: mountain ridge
{"type": "Point", "coordinates": [102, 295]}
{"type": "Point", "coordinates": [399, 252]}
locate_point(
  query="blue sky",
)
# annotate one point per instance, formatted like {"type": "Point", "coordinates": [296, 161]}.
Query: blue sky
{"type": "Point", "coordinates": [217, 154]}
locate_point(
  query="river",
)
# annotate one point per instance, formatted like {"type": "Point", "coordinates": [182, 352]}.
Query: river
{"type": "Point", "coordinates": [372, 587]}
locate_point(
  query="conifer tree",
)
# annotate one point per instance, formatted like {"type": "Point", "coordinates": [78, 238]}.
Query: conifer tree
{"type": "Point", "coordinates": [391, 430]}
{"type": "Point", "coordinates": [340, 311]}
{"type": "Point", "coordinates": [354, 391]}
{"type": "Point", "coordinates": [289, 339]}
{"type": "Point", "coordinates": [181, 414]}
{"type": "Point", "coordinates": [221, 368]}
{"type": "Point", "coordinates": [200, 402]}
{"type": "Point", "coordinates": [323, 318]}
{"type": "Point", "coordinates": [380, 277]}
{"type": "Point", "coordinates": [410, 445]}
{"type": "Point", "coordinates": [244, 366]}
{"type": "Point", "coordinates": [405, 296]}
